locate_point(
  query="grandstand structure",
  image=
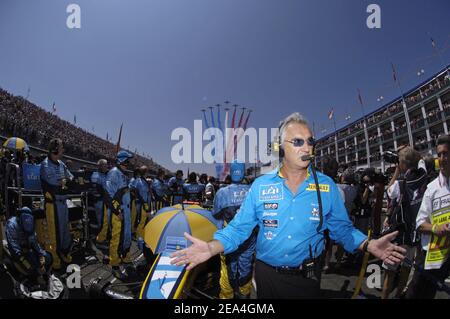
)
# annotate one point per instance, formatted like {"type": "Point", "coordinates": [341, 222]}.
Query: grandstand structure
{"type": "Point", "coordinates": [21, 118]}
{"type": "Point", "coordinates": [416, 118]}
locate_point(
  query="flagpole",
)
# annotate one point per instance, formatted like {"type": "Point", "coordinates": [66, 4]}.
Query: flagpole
{"type": "Point", "coordinates": [405, 109]}
{"type": "Point", "coordinates": [118, 140]}
{"type": "Point", "coordinates": [335, 139]}
{"type": "Point", "coordinates": [433, 44]}
{"type": "Point", "coordinates": [366, 134]}
{"type": "Point", "coordinates": [334, 123]}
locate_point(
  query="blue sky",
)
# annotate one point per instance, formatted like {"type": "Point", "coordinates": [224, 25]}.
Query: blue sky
{"type": "Point", "coordinates": [154, 64]}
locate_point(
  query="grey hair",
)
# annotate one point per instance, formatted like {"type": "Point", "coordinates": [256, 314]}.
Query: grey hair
{"type": "Point", "coordinates": [293, 118]}
{"type": "Point", "coordinates": [409, 156]}
{"type": "Point", "coordinates": [102, 161]}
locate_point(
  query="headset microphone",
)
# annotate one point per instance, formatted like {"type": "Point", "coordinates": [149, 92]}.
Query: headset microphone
{"type": "Point", "coordinates": [307, 157]}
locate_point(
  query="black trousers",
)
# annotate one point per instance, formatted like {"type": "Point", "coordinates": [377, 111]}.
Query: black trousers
{"type": "Point", "coordinates": [422, 286]}
{"type": "Point", "coordinates": [271, 284]}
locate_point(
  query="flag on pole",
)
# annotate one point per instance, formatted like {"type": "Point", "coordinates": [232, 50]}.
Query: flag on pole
{"type": "Point", "coordinates": [118, 140]}
{"type": "Point", "coordinates": [330, 114]}
{"type": "Point", "coordinates": [394, 74]}
{"type": "Point", "coordinates": [359, 97]}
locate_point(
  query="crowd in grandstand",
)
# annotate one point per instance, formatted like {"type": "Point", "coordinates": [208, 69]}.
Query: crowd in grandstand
{"type": "Point", "coordinates": [19, 117]}
{"type": "Point", "coordinates": [424, 92]}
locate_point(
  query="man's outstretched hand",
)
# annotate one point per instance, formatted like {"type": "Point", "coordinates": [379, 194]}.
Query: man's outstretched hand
{"type": "Point", "coordinates": [385, 250]}
{"type": "Point", "coordinates": [195, 254]}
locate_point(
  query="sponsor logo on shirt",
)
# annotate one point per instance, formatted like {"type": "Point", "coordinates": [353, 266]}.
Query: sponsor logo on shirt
{"type": "Point", "coordinates": [270, 206]}
{"type": "Point", "coordinates": [270, 192]}
{"type": "Point", "coordinates": [270, 223]}
{"type": "Point", "coordinates": [441, 202]}
{"type": "Point", "coordinates": [240, 193]}
{"type": "Point", "coordinates": [271, 214]}
{"type": "Point", "coordinates": [315, 214]}
{"type": "Point", "coordinates": [322, 187]}
{"type": "Point", "coordinates": [239, 196]}
{"type": "Point", "coordinates": [269, 235]}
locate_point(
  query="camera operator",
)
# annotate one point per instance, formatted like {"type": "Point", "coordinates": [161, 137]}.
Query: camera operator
{"type": "Point", "coordinates": [405, 192]}
{"type": "Point", "coordinates": [350, 192]}
{"type": "Point", "coordinates": [364, 202]}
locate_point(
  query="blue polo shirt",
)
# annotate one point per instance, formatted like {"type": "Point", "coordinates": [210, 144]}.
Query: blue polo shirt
{"type": "Point", "coordinates": [288, 222]}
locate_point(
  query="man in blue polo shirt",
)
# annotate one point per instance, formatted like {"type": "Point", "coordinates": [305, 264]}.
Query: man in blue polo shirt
{"type": "Point", "coordinates": [290, 242]}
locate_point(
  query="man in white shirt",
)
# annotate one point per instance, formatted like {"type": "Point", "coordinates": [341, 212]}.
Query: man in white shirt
{"type": "Point", "coordinates": [433, 219]}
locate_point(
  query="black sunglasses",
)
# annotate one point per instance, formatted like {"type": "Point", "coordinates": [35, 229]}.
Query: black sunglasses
{"type": "Point", "coordinates": [298, 142]}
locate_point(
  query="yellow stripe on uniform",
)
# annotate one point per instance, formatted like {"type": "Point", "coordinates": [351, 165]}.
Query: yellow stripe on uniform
{"type": "Point", "coordinates": [140, 227]}
{"type": "Point", "coordinates": [51, 223]}
{"type": "Point", "coordinates": [133, 216]}
{"type": "Point", "coordinates": [103, 234]}
{"type": "Point", "coordinates": [116, 229]}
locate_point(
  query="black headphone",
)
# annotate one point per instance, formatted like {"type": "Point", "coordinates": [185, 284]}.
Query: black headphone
{"type": "Point", "coordinates": [280, 144]}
